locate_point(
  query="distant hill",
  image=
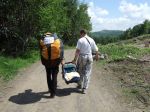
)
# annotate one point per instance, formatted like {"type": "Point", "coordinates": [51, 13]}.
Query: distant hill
{"type": "Point", "coordinates": [107, 33]}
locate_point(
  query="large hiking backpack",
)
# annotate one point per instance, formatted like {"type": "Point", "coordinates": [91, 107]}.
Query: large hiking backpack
{"type": "Point", "coordinates": [50, 50]}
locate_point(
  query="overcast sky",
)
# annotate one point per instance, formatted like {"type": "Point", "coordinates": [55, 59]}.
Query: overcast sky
{"type": "Point", "coordinates": [117, 14]}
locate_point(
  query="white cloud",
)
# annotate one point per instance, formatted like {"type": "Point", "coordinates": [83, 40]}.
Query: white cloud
{"type": "Point", "coordinates": [141, 10]}
{"type": "Point", "coordinates": [99, 11]}
{"type": "Point", "coordinates": [100, 20]}
{"type": "Point", "coordinates": [128, 7]}
{"type": "Point", "coordinates": [121, 23]}
{"type": "Point", "coordinates": [131, 14]}
{"type": "Point", "coordinates": [96, 14]}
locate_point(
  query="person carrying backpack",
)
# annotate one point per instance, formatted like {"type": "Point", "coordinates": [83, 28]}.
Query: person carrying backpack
{"type": "Point", "coordinates": [52, 55]}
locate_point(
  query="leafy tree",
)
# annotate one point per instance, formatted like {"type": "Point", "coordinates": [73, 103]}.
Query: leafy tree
{"type": "Point", "coordinates": [22, 20]}
{"type": "Point", "coordinates": [19, 19]}
{"type": "Point", "coordinates": [137, 30]}
{"type": "Point", "coordinates": [146, 27]}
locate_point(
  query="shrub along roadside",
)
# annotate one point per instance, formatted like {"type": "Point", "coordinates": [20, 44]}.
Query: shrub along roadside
{"type": "Point", "coordinates": [9, 65]}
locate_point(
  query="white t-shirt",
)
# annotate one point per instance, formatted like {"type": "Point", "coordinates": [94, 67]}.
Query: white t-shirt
{"type": "Point", "coordinates": [84, 46]}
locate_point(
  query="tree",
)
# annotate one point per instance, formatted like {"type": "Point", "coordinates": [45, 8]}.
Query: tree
{"type": "Point", "coordinates": [22, 20]}
{"type": "Point", "coordinates": [137, 30]}
{"type": "Point", "coordinates": [19, 21]}
{"type": "Point", "coordinates": [146, 27]}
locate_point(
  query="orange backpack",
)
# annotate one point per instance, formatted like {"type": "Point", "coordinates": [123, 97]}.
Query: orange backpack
{"type": "Point", "coordinates": [52, 51]}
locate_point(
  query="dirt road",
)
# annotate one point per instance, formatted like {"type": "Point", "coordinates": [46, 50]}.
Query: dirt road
{"type": "Point", "coordinates": [28, 93]}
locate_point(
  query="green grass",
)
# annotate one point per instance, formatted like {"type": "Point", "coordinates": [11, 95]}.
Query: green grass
{"type": "Point", "coordinates": [119, 52]}
{"type": "Point", "coordinates": [9, 65]}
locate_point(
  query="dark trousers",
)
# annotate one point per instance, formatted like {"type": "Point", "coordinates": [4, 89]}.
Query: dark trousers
{"type": "Point", "coordinates": [52, 78]}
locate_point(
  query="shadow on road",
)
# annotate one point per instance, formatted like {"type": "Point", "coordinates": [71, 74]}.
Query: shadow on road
{"type": "Point", "coordinates": [28, 97]}
{"type": "Point", "coordinates": [66, 91]}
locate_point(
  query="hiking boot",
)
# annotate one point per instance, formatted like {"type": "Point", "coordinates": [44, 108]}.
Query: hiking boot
{"type": "Point", "coordinates": [84, 91]}
{"type": "Point", "coordinates": [52, 95]}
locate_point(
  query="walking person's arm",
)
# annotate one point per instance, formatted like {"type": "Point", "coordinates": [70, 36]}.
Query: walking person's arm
{"type": "Point", "coordinates": [95, 48]}
{"type": "Point", "coordinates": [62, 53]}
{"type": "Point", "coordinates": [96, 56]}
{"type": "Point", "coordinates": [77, 52]}
{"type": "Point", "coordinates": [76, 56]}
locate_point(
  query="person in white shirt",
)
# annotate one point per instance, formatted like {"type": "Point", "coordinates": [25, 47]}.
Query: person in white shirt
{"type": "Point", "coordinates": [83, 56]}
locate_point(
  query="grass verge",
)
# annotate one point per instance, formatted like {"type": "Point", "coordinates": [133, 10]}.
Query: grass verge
{"type": "Point", "coordinates": [9, 65]}
{"type": "Point", "coordinates": [120, 52]}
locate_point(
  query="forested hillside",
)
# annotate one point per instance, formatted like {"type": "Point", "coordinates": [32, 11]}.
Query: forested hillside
{"type": "Point", "coordinates": [137, 30]}
{"type": "Point", "coordinates": [105, 33]}
{"type": "Point", "coordinates": [23, 21]}
{"type": "Point", "coordinates": [109, 36]}
{"type": "Point", "coordinates": [106, 36]}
